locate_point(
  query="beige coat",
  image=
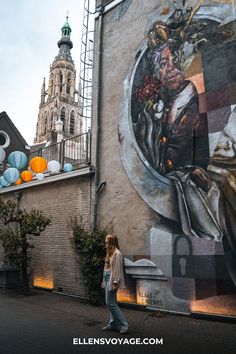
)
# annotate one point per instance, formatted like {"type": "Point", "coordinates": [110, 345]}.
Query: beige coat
{"type": "Point", "coordinates": [116, 269]}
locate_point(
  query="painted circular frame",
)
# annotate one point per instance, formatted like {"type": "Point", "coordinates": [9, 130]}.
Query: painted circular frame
{"type": "Point", "coordinates": [157, 191]}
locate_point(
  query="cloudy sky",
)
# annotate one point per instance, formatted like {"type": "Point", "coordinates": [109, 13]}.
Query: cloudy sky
{"type": "Point", "coordinates": [29, 33]}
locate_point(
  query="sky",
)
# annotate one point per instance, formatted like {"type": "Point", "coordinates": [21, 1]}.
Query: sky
{"type": "Point", "coordinates": [30, 30]}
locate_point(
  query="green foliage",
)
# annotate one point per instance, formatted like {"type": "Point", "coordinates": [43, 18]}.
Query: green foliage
{"type": "Point", "coordinates": [11, 243]}
{"type": "Point", "coordinates": [90, 247]}
{"type": "Point", "coordinates": [32, 222]}
{"type": "Point", "coordinates": [15, 237]}
{"type": "Point", "coordinates": [8, 211]}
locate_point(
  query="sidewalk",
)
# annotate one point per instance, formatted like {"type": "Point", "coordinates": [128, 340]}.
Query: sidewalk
{"type": "Point", "coordinates": [46, 323]}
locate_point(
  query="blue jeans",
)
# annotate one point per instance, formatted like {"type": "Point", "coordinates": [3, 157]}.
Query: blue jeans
{"type": "Point", "coordinates": [116, 319]}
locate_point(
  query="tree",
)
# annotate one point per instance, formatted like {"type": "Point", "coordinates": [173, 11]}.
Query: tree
{"type": "Point", "coordinates": [90, 247]}
{"type": "Point", "coordinates": [16, 236]}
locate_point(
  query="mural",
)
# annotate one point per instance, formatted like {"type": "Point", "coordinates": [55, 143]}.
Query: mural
{"type": "Point", "coordinates": [182, 122]}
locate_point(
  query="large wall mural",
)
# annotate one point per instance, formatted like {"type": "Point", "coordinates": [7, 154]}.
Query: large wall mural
{"type": "Point", "coordinates": [179, 141]}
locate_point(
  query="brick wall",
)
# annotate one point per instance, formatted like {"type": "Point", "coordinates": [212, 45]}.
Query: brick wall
{"type": "Point", "coordinates": [53, 258]}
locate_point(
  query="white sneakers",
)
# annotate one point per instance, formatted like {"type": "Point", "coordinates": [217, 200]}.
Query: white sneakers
{"type": "Point", "coordinates": [108, 328]}
{"type": "Point", "coordinates": [123, 330]}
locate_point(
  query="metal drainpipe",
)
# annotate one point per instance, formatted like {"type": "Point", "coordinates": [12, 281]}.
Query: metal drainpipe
{"type": "Point", "coordinates": [18, 196]}
{"type": "Point", "coordinates": [100, 10]}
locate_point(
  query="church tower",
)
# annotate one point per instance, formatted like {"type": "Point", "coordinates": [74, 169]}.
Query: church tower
{"type": "Point", "coordinates": [58, 109]}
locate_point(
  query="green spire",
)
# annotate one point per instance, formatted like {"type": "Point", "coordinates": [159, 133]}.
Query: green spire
{"type": "Point", "coordinates": [65, 43]}
{"type": "Point", "coordinates": [66, 30]}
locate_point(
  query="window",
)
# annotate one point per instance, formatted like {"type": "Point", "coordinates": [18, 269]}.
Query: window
{"type": "Point", "coordinates": [51, 120]}
{"type": "Point", "coordinates": [68, 83]}
{"type": "Point", "coordinates": [63, 117]}
{"type": "Point", "coordinates": [45, 123]}
{"type": "Point", "coordinates": [61, 81]}
{"type": "Point", "coordinates": [4, 139]}
{"type": "Point", "coordinates": [72, 123]}
{"type": "Point", "coordinates": [51, 85]}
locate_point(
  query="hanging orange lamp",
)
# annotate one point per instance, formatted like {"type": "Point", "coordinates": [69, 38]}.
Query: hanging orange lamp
{"type": "Point", "coordinates": [27, 176]}
{"type": "Point", "coordinates": [19, 181]}
{"type": "Point", "coordinates": [38, 164]}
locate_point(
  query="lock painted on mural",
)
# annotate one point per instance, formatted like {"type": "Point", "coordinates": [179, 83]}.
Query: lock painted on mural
{"type": "Point", "coordinates": [182, 259]}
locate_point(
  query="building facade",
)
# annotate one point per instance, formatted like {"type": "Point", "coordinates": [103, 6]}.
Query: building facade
{"type": "Point", "coordinates": [62, 195]}
{"type": "Point", "coordinates": [59, 108]}
{"type": "Point", "coordinates": [163, 147]}
{"type": "Point", "coordinates": [165, 128]}
{"type": "Point", "coordinates": [10, 139]}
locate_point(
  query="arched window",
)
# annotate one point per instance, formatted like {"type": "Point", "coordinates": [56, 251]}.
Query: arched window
{"type": "Point", "coordinates": [72, 123]}
{"type": "Point", "coordinates": [45, 123]}
{"type": "Point", "coordinates": [51, 85]}
{"type": "Point", "coordinates": [4, 139]}
{"type": "Point", "coordinates": [63, 117]}
{"type": "Point", "coordinates": [68, 83]}
{"type": "Point", "coordinates": [61, 81]}
{"type": "Point", "coordinates": [51, 119]}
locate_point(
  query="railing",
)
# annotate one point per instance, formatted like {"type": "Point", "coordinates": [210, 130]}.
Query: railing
{"type": "Point", "coordinates": [75, 150]}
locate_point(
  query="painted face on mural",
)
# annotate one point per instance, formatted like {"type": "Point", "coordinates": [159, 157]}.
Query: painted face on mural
{"type": "Point", "coordinates": [170, 76]}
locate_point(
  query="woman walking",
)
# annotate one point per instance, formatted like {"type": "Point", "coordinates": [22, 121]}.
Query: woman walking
{"type": "Point", "coordinates": [113, 279]}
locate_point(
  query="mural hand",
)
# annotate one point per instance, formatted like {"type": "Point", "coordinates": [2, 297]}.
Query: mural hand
{"type": "Point", "coordinates": [201, 178]}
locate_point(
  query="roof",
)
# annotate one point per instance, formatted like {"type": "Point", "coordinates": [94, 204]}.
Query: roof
{"type": "Point", "coordinates": [14, 130]}
{"type": "Point", "coordinates": [66, 24]}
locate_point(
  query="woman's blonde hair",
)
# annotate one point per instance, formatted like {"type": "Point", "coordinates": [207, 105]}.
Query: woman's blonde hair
{"type": "Point", "coordinates": [112, 243]}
